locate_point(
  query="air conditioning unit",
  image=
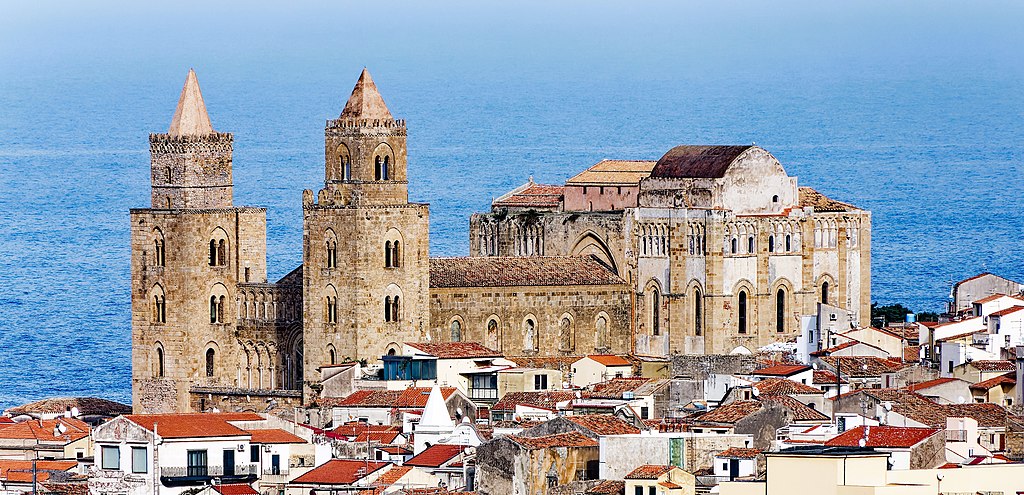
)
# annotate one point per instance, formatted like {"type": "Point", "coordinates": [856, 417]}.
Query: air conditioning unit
{"type": "Point", "coordinates": [266, 448]}
{"type": "Point", "coordinates": [832, 317]}
{"type": "Point", "coordinates": [241, 447]}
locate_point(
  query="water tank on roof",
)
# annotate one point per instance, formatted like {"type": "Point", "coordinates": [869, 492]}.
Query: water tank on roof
{"type": "Point", "coordinates": [911, 317]}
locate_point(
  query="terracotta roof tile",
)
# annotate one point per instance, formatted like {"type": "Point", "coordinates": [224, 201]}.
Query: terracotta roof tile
{"type": "Point", "coordinates": [608, 487]}
{"type": "Point", "coordinates": [561, 363]}
{"type": "Point", "coordinates": [609, 359]}
{"type": "Point", "coordinates": [274, 435]}
{"type": "Point", "coordinates": [820, 202]}
{"type": "Point", "coordinates": [436, 455]}
{"type": "Point", "coordinates": [826, 377]}
{"type": "Point", "coordinates": [381, 437]}
{"type": "Point", "coordinates": [603, 424]}
{"type": "Point", "coordinates": [1005, 379]}
{"type": "Point", "coordinates": [783, 386]}
{"type": "Point", "coordinates": [416, 397]}
{"type": "Point", "coordinates": [339, 472]}
{"type": "Point", "coordinates": [568, 439]}
{"type": "Point", "coordinates": [547, 399]}
{"type": "Point", "coordinates": [799, 410]}
{"type": "Point", "coordinates": [21, 470]}
{"type": "Point", "coordinates": [882, 436]}
{"type": "Point", "coordinates": [731, 412]}
{"type": "Point", "coordinates": [391, 476]}
{"type": "Point", "coordinates": [410, 398]}
{"type": "Point", "coordinates": [614, 388]}
{"type": "Point", "coordinates": [1007, 311]}
{"type": "Point", "coordinates": [739, 453]}
{"type": "Point", "coordinates": [514, 271]}
{"type": "Point", "coordinates": [614, 172]}
{"type": "Point", "coordinates": [44, 430]}
{"type": "Point", "coordinates": [993, 365]}
{"type": "Point", "coordinates": [912, 353]}
{"type": "Point", "coordinates": [234, 489]}
{"type": "Point", "coordinates": [454, 350]}
{"type": "Point", "coordinates": [914, 387]}
{"type": "Point", "coordinates": [781, 370]}
{"type": "Point", "coordinates": [87, 406]}
{"type": "Point", "coordinates": [649, 472]}
{"type": "Point", "coordinates": [533, 195]}
{"type": "Point", "coordinates": [854, 366]}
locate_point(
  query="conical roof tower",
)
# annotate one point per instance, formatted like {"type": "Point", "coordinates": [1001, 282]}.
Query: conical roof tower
{"type": "Point", "coordinates": [365, 101]}
{"type": "Point", "coordinates": [190, 117]}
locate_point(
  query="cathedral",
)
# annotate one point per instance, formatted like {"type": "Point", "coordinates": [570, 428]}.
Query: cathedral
{"type": "Point", "coordinates": [711, 249]}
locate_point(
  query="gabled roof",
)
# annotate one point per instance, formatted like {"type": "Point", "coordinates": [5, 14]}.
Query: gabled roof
{"type": "Point", "coordinates": [820, 202]}
{"type": "Point", "coordinates": [783, 386]}
{"type": "Point", "coordinates": [391, 476]}
{"type": "Point", "coordinates": [614, 172]}
{"type": "Point", "coordinates": [517, 271]}
{"type": "Point", "coordinates": [190, 117]}
{"type": "Point", "coordinates": [436, 455]}
{"type": "Point", "coordinates": [882, 437]}
{"type": "Point", "coordinates": [568, 439]}
{"type": "Point", "coordinates": [863, 366]}
{"type": "Point", "coordinates": [1007, 311]}
{"type": "Point", "coordinates": [274, 435]}
{"type": "Point", "coordinates": [609, 359]}
{"type": "Point", "coordinates": [44, 430]}
{"type": "Point", "coordinates": [410, 398]}
{"type": "Point", "coordinates": [365, 101]}
{"type": "Point", "coordinates": [799, 410]}
{"type": "Point", "coordinates": [616, 387]}
{"type": "Point", "coordinates": [826, 377]}
{"type": "Point", "coordinates": [544, 399]}
{"type": "Point", "coordinates": [194, 425]}
{"type": "Point", "coordinates": [914, 387]}
{"type": "Point", "coordinates": [454, 350]}
{"type": "Point", "coordinates": [603, 424]}
{"type": "Point", "coordinates": [1005, 379]}
{"type": "Point", "coordinates": [738, 453]}
{"type": "Point", "coordinates": [649, 472]}
{"type": "Point", "coordinates": [381, 437]}
{"type": "Point", "coordinates": [608, 487]}
{"type": "Point", "coordinates": [690, 161]}
{"type": "Point", "coordinates": [781, 370]}
{"type": "Point", "coordinates": [339, 472]}
{"type": "Point", "coordinates": [416, 397]}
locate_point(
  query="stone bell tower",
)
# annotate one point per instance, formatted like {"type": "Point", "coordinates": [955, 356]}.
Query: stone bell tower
{"type": "Point", "coordinates": [365, 246]}
{"type": "Point", "coordinates": [189, 252]}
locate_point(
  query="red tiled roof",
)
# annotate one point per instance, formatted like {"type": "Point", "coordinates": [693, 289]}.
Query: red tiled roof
{"type": "Point", "coordinates": [391, 476]}
{"type": "Point", "coordinates": [436, 455]}
{"type": "Point", "coordinates": [993, 365]}
{"type": "Point", "coordinates": [609, 359]}
{"type": "Point", "coordinates": [826, 377]}
{"type": "Point", "coordinates": [731, 412]}
{"type": "Point", "coordinates": [416, 397]}
{"type": "Point", "coordinates": [535, 195]}
{"type": "Point", "coordinates": [962, 335]}
{"type": "Point", "coordinates": [1007, 311]}
{"type": "Point", "coordinates": [86, 406]}
{"type": "Point", "coordinates": [235, 489]}
{"type": "Point", "coordinates": [648, 472]}
{"type": "Point", "coordinates": [781, 370]}
{"type": "Point", "coordinates": [912, 353]}
{"type": "Point", "coordinates": [546, 399]}
{"type": "Point", "coordinates": [844, 345]}
{"type": "Point", "coordinates": [569, 439]}
{"type": "Point", "coordinates": [603, 424]}
{"type": "Point", "coordinates": [913, 387]}
{"type": "Point", "coordinates": [1005, 379]}
{"type": "Point", "coordinates": [991, 298]}
{"type": "Point", "coordinates": [194, 425]}
{"type": "Point", "coordinates": [783, 386]}
{"type": "Point", "coordinates": [739, 453]}
{"type": "Point", "coordinates": [614, 388]}
{"type": "Point", "coordinates": [608, 487]}
{"type": "Point", "coordinates": [799, 410]}
{"type": "Point", "coordinates": [339, 472]}
{"type": "Point", "coordinates": [384, 437]}
{"type": "Point", "coordinates": [274, 435]}
{"type": "Point", "coordinates": [454, 350]}
{"type": "Point", "coordinates": [44, 430]}
{"type": "Point", "coordinates": [820, 202]}
{"type": "Point", "coordinates": [515, 271]}
{"type": "Point", "coordinates": [394, 449]}
{"type": "Point", "coordinates": [882, 436]}
{"type": "Point", "coordinates": [854, 366]}
{"type": "Point", "coordinates": [356, 428]}
{"type": "Point", "coordinates": [20, 471]}
{"type": "Point", "coordinates": [4, 420]}
{"type": "Point", "coordinates": [918, 408]}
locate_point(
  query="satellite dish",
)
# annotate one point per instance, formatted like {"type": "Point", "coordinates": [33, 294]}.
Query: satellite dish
{"type": "Point", "coordinates": [74, 412]}
{"type": "Point", "coordinates": [887, 406]}
{"type": "Point", "coordinates": [61, 428]}
{"type": "Point", "coordinates": [755, 391]}
{"type": "Point", "coordinates": [862, 442]}
{"type": "Point", "coordinates": [815, 366]}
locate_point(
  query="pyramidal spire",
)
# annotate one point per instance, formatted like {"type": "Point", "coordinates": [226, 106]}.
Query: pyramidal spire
{"type": "Point", "coordinates": [435, 413]}
{"type": "Point", "coordinates": [190, 118]}
{"type": "Point", "coordinates": [366, 102]}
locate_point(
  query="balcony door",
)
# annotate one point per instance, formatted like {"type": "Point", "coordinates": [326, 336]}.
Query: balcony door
{"type": "Point", "coordinates": [197, 463]}
{"type": "Point", "coordinates": [229, 462]}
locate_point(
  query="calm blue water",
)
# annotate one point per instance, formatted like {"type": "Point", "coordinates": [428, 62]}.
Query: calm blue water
{"type": "Point", "coordinates": [913, 111]}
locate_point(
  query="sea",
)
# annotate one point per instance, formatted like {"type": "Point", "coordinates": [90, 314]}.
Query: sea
{"type": "Point", "coordinates": [913, 110]}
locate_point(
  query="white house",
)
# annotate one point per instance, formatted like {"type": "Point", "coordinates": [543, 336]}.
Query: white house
{"type": "Point", "coordinates": [597, 368]}
{"type": "Point", "coordinates": [735, 462]}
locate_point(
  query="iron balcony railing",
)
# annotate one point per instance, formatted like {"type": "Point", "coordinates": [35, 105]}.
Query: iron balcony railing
{"type": "Point", "coordinates": [272, 471]}
{"type": "Point", "coordinates": [208, 471]}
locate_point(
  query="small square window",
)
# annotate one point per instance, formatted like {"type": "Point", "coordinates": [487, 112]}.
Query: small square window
{"type": "Point", "coordinates": [139, 460]}
{"type": "Point", "coordinates": [110, 457]}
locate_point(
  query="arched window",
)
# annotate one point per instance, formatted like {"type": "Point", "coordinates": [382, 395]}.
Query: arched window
{"type": "Point", "coordinates": [332, 254]}
{"type": "Point", "coordinates": [529, 335]}
{"type": "Point", "coordinates": [780, 311]}
{"type": "Point", "coordinates": [159, 308]}
{"type": "Point", "coordinates": [456, 331]}
{"type": "Point", "coordinates": [742, 320]}
{"type": "Point", "coordinates": [391, 308]}
{"type": "Point", "coordinates": [159, 256]}
{"type": "Point", "coordinates": [331, 355]}
{"type": "Point", "coordinates": [750, 244]}
{"type": "Point", "coordinates": [655, 312]}
{"type": "Point", "coordinates": [824, 292]}
{"type": "Point", "coordinates": [385, 168]}
{"type": "Point", "coordinates": [213, 252]}
{"type": "Point", "coordinates": [376, 168]}
{"type": "Point", "coordinates": [565, 335]}
{"type": "Point", "coordinates": [220, 309]}
{"type": "Point", "coordinates": [735, 245]}
{"type": "Point", "coordinates": [387, 255]}
{"type": "Point", "coordinates": [771, 243]}
{"type": "Point", "coordinates": [387, 308]}
{"type": "Point", "coordinates": [601, 333]}
{"type": "Point", "coordinates": [395, 309]}
{"type": "Point", "coordinates": [492, 334]}
{"type": "Point", "coordinates": [213, 309]}
{"type": "Point", "coordinates": [159, 362]}
{"type": "Point", "coordinates": [332, 309]}
{"type": "Point", "coordinates": [789, 245]}
{"type": "Point", "coordinates": [209, 362]}
{"type": "Point", "coordinates": [775, 198]}
{"type": "Point", "coordinates": [346, 167]}
{"type": "Point", "coordinates": [698, 312]}
{"type": "Point", "coordinates": [222, 253]}
{"type": "Point", "coordinates": [167, 174]}
{"type": "Point", "coordinates": [395, 258]}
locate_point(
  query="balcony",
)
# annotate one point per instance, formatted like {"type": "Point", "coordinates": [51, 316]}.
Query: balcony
{"type": "Point", "coordinates": [980, 339]}
{"type": "Point", "coordinates": [483, 394]}
{"type": "Point", "coordinates": [201, 475]}
{"type": "Point", "coordinates": [956, 435]}
{"type": "Point", "coordinates": [278, 471]}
